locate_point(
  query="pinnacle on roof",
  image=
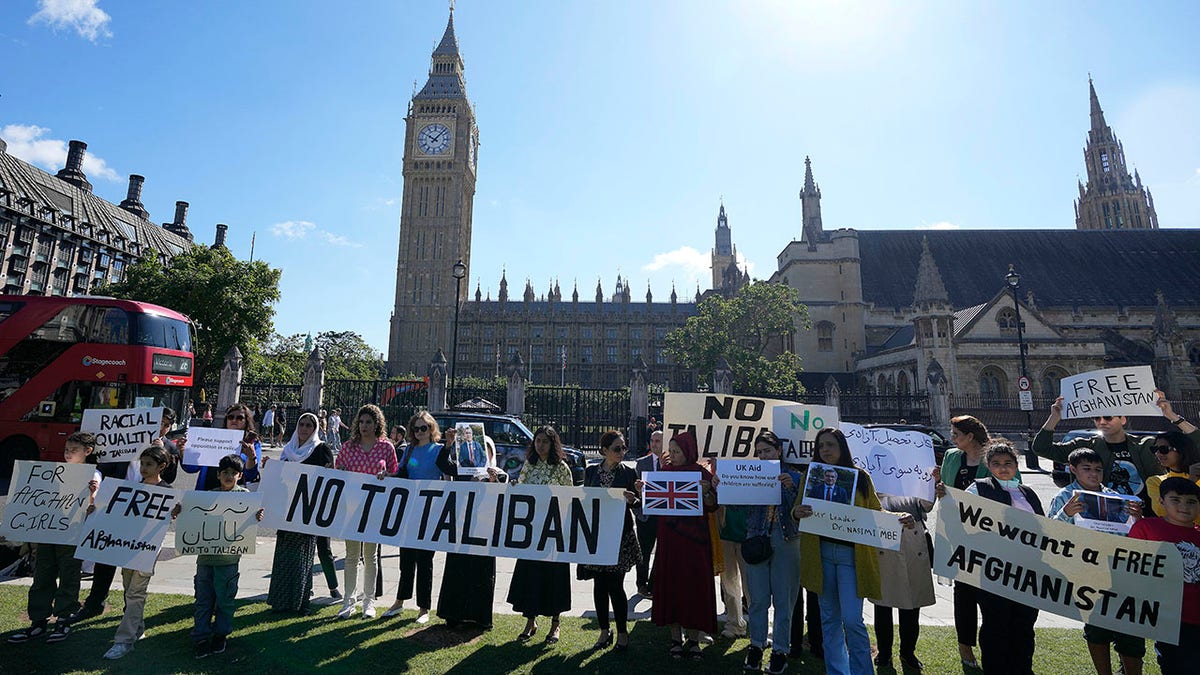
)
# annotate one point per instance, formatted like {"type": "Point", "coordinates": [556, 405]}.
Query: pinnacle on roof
{"type": "Point", "coordinates": [930, 287]}
{"type": "Point", "coordinates": [809, 184]}
{"type": "Point", "coordinates": [449, 44]}
{"type": "Point", "coordinates": [1098, 123]}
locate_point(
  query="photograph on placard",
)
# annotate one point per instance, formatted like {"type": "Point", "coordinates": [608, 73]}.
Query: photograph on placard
{"type": "Point", "coordinates": [1104, 512]}
{"type": "Point", "coordinates": [830, 483]}
{"type": "Point", "coordinates": [468, 445]}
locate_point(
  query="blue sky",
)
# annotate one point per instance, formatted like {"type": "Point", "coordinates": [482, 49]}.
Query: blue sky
{"type": "Point", "coordinates": [610, 131]}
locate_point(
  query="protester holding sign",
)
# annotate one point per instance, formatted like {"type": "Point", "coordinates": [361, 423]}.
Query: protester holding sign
{"type": "Point", "coordinates": [539, 587]}
{"type": "Point", "coordinates": [291, 568]}
{"type": "Point", "coordinates": [165, 426]}
{"type": "Point", "coordinates": [608, 581]}
{"type": "Point", "coordinates": [1006, 639]}
{"type": "Point", "coordinates": [647, 526]}
{"type": "Point", "coordinates": [1178, 455]}
{"type": "Point", "coordinates": [137, 584]}
{"type": "Point", "coordinates": [1180, 499]}
{"type": "Point", "coordinates": [683, 586]}
{"type": "Point", "coordinates": [239, 417]}
{"type": "Point", "coordinates": [56, 570]}
{"type": "Point", "coordinates": [906, 581]}
{"type": "Point", "coordinates": [772, 553]}
{"type": "Point", "coordinates": [1128, 460]}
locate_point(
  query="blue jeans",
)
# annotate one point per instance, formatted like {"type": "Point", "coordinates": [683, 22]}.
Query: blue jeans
{"type": "Point", "coordinates": [216, 598]}
{"type": "Point", "coordinates": [774, 583]}
{"type": "Point", "coordinates": [842, 614]}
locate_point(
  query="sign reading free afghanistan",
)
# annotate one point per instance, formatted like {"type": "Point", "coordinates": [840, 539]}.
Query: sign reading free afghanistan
{"type": "Point", "coordinates": [121, 434]}
{"type": "Point", "coordinates": [128, 525]}
{"type": "Point", "coordinates": [725, 426]}
{"type": "Point", "coordinates": [900, 462]}
{"type": "Point", "coordinates": [531, 522]}
{"type": "Point", "coordinates": [1113, 391]}
{"type": "Point", "coordinates": [797, 426]}
{"type": "Point", "coordinates": [47, 502]}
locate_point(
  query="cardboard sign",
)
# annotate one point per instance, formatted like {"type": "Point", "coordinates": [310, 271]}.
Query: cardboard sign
{"type": "Point", "coordinates": [797, 426]}
{"type": "Point", "coordinates": [748, 481]}
{"type": "Point", "coordinates": [1127, 585]}
{"type": "Point", "coordinates": [207, 445]}
{"type": "Point", "coordinates": [128, 526]}
{"type": "Point", "coordinates": [468, 446]}
{"type": "Point", "coordinates": [121, 434]}
{"type": "Point", "coordinates": [900, 462]}
{"type": "Point", "coordinates": [854, 524]}
{"type": "Point", "coordinates": [217, 523]}
{"type": "Point", "coordinates": [1114, 391]}
{"type": "Point", "coordinates": [725, 426]}
{"type": "Point", "coordinates": [1104, 512]}
{"type": "Point", "coordinates": [672, 493]}
{"type": "Point", "coordinates": [47, 502]}
{"type": "Point", "coordinates": [829, 483]}
{"type": "Point", "coordinates": [531, 522]}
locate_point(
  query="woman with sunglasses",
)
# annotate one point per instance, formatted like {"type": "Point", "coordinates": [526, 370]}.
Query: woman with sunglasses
{"type": "Point", "coordinates": [238, 416]}
{"type": "Point", "coordinates": [1178, 455]}
{"type": "Point", "coordinates": [367, 451]}
{"type": "Point", "coordinates": [608, 581]}
{"type": "Point", "coordinates": [425, 458]}
{"type": "Point", "coordinates": [292, 567]}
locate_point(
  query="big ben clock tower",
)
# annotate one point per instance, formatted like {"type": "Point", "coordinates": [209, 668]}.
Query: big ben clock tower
{"type": "Point", "coordinates": [440, 144]}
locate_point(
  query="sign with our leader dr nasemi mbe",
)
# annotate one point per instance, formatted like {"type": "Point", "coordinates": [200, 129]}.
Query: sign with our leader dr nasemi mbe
{"type": "Point", "coordinates": [1113, 391]}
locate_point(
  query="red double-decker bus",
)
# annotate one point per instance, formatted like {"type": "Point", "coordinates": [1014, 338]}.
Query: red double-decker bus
{"type": "Point", "coordinates": [62, 355]}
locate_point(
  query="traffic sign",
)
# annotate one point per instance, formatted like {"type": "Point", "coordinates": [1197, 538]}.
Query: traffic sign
{"type": "Point", "coordinates": [1026, 399]}
{"type": "Point", "coordinates": [1023, 383]}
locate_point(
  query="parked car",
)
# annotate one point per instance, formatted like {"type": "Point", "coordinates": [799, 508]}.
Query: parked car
{"type": "Point", "coordinates": [940, 443]}
{"type": "Point", "coordinates": [512, 439]}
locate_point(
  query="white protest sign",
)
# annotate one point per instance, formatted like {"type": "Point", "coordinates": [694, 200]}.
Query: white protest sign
{"type": "Point", "coordinates": [725, 426]}
{"type": "Point", "coordinates": [672, 493]}
{"type": "Point", "coordinates": [853, 524]}
{"type": "Point", "coordinates": [217, 523]}
{"type": "Point", "coordinates": [900, 462]}
{"type": "Point", "coordinates": [1130, 586]}
{"type": "Point", "coordinates": [1105, 512]}
{"type": "Point", "coordinates": [207, 445]}
{"type": "Point", "coordinates": [1114, 391]}
{"type": "Point", "coordinates": [128, 526]}
{"type": "Point", "coordinates": [47, 502]}
{"type": "Point", "coordinates": [531, 522]}
{"type": "Point", "coordinates": [797, 426]}
{"type": "Point", "coordinates": [748, 481]}
{"type": "Point", "coordinates": [121, 434]}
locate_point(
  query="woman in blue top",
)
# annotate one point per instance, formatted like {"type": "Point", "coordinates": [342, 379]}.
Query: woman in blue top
{"type": "Point", "coordinates": [776, 580]}
{"type": "Point", "coordinates": [237, 417]}
{"type": "Point", "coordinates": [426, 458]}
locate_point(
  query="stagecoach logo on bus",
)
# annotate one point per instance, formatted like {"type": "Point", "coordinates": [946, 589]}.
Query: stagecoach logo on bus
{"type": "Point", "coordinates": [91, 361]}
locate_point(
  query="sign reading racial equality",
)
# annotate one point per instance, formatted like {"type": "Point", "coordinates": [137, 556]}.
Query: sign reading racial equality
{"type": "Point", "coordinates": [1113, 391]}
{"type": "Point", "coordinates": [121, 434]}
{"type": "Point", "coordinates": [207, 445]}
{"type": "Point", "coordinates": [748, 481]}
{"type": "Point", "coordinates": [128, 526]}
{"type": "Point", "coordinates": [217, 523]}
{"type": "Point", "coordinates": [531, 522]}
{"type": "Point", "coordinates": [900, 462]}
{"type": "Point", "coordinates": [797, 425]}
{"type": "Point", "coordinates": [1130, 586]}
{"type": "Point", "coordinates": [672, 493]}
{"type": "Point", "coordinates": [47, 502]}
{"type": "Point", "coordinates": [725, 426]}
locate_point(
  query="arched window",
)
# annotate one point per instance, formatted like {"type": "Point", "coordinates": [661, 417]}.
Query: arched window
{"type": "Point", "coordinates": [1007, 320]}
{"type": "Point", "coordinates": [824, 336]}
{"type": "Point", "coordinates": [1050, 381]}
{"type": "Point", "coordinates": [992, 386]}
{"type": "Point", "coordinates": [881, 385]}
{"type": "Point", "coordinates": [902, 385]}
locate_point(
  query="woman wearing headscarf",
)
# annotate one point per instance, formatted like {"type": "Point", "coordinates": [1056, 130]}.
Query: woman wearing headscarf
{"type": "Point", "coordinates": [684, 598]}
{"type": "Point", "coordinates": [291, 569]}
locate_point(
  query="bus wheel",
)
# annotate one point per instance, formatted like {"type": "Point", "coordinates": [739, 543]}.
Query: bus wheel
{"type": "Point", "coordinates": [12, 449]}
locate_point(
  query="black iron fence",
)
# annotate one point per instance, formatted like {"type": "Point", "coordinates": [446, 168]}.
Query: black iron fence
{"type": "Point", "coordinates": [580, 415]}
{"type": "Point", "coordinates": [868, 408]}
{"type": "Point", "coordinates": [399, 399]}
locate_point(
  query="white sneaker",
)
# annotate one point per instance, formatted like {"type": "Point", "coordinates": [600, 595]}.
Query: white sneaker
{"type": "Point", "coordinates": [118, 650]}
{"type": "Point", "coordinates": [423, 616]}
{"type": "Point", "coordinates": [706, 639]}
{"type": "Point", "coordinates": [347, 611]}
{"type": "Point", "coordinates": [394, 611]}
{"type": "Point", "coordinates": [368, 610]}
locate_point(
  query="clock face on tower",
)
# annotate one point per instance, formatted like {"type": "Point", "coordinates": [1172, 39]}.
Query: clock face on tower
{"type": "Point", "coordinates": [434, 139]}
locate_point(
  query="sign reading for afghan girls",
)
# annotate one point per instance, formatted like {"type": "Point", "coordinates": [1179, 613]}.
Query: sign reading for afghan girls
{"type": "Point", "coordinates": [530, 522]}
{"type": "Point", "coordinates": [725, 426]}
{"type": "Point", "coordinates": [1114, 391]}
{"type": "Point", "coordinates": [121, 434]}
{"type": "Point", "coordinates": [47, 502]}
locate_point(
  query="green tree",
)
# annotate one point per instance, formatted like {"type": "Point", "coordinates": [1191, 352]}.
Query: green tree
{"type": "Point", "coordinates": [281, 360]}
{"type": "Point", "coordinates": [230, 301]}
{"type": "Point", "coordinates": [749, 331]}
{"type": "Point", "coordinates": [277, 359]}
{"type": "Point", "coordinates": [349, 357]}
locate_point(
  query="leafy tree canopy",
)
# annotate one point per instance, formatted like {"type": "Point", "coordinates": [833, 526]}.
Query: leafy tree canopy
{"type": "Point", "coordinates": [230, 301]}
{"type": "Point", "coordinates": [749, 330]}
{"type": "Point", "coordinates": [281, 360]}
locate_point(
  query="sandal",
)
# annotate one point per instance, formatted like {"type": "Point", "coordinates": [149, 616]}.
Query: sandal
{"type": "Point", "coordinates": [693, 650]}
{"type": "Point", "coordinates": [527, 634]}
{"type": "Point", "coordinates": [676, 650]}
{"type": "Point", "coordinates": [552, 636]}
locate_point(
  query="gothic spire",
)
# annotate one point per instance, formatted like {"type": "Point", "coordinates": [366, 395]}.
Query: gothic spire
{"type": "Point", "coordinates": [445, 69]}
{"type": "Point", "coordinates": [1098, 123]}
{"type": "Point", "coordinates": [810, 186]}
{"type": "Point", "coordinates": [812, 228]}
{"type": "Point", "coordinates": [931, 290]}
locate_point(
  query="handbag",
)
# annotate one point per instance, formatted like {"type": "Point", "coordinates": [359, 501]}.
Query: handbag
{"type": "Point", "coordinates": [757, 549]}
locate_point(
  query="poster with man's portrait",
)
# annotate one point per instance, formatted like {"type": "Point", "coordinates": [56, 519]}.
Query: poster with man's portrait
{"type": "Point", "coordinates": [1104, 512]}
{"type": "Point", "coordinates": [468, 445]}
{"type": "Point", "coordinates": [830, 483]}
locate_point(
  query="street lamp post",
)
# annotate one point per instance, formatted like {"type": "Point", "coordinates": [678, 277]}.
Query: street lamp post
{"type": "Point", "coordinates": [459, 271]}
{"type": "Point", "coordinates": [1014, 284]}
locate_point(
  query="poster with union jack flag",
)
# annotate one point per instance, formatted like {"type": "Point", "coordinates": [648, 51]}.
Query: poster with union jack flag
{"type": "Point", "coordinates": [672, 493]}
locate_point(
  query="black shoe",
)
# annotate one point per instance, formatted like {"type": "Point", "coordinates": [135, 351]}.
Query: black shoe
{"type": "Point", "coordinates": [882, 660]}
{"type": "Point", "coordinates": [35, 631]}
{"type": "Point", "coordinates": [335, 594]}
{"type": "Point", "coordinates": [778, 663]}
{"type": "Point", "coordinates": [202, 648]}
{"type": "Point", "coordinates": [753, 663]}
{"type": "Point", "coordinates": [61, 630]}
{"type": "Point", "coordinates": [86, 612]}
{"type": "Point", "coordinates": [911, 663]}
{"type": "Point", "coordinates": [218, 644]}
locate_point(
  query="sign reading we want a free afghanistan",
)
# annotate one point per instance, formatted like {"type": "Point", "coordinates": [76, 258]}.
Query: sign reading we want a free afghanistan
{"type": "Point", "coordinates": [531, 522]}
{"type": "Point", "coordinates": [1130, 586]}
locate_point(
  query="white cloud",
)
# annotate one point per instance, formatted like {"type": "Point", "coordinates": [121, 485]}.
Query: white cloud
{"type": "Point", "coordinates": [25, 142]}
{"type": "Point", "coordinates": [300, 229]}
{"type": "Point", "coordinates": [746, 265]}
{"type": "Point", "coordinates": [940, 225]}
{"type": "Point", "coordinates": [337, 239]}
{"type": "Point", "coordinates": [83, 16]}
{"type": "Point", "coordinates": [691, 261]}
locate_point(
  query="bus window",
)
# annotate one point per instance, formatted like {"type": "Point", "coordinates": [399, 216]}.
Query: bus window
{"type": "Point", "coordinates": [75, 396]}
{"type": "Point", "coordinates": [159, 331]}
{"type": "Point", "coordinates": [7, 309]}
{"type": "Point", "coordinates": [112, 327]}
{"type": "Point", "coordinates": [69, 325]}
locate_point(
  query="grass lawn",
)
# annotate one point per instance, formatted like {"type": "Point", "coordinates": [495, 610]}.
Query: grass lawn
{"type": "Point", "coordinates": [264, 642]}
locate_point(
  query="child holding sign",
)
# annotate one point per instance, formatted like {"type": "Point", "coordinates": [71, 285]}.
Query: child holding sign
{"type": "Point", "coordinates": [56, 570]}
{"type": "Point", "coordinates": [1180, 501]}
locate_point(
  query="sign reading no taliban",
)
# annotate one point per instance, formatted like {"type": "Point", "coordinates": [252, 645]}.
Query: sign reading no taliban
{"type": "Point", "coordinates": [725, 426]}
{"type": "Point", "coordinates": [531, 522]}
